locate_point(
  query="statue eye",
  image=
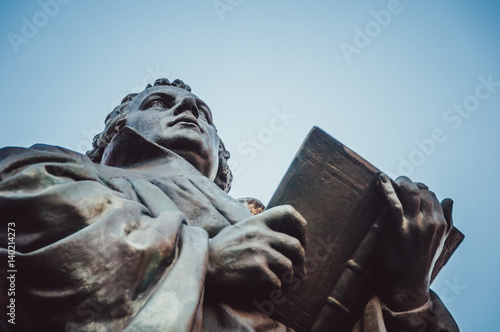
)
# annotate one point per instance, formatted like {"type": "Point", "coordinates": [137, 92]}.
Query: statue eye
{"type": "Point", "coordinates": [157, 103]}
{"type": "Point", "coordinates": [205, 114]}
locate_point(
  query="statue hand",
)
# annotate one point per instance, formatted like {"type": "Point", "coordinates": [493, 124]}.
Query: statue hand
{"type": "Point", "coordinates": [250, 257]}
{"type": "Point", "coordinates": [414, 233]}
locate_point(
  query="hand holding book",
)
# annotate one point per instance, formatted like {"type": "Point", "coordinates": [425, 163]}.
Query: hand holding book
{"type": "Point", "coordinates": [247, 260]}
{"type": "Point", "coordinates": [412, 237]}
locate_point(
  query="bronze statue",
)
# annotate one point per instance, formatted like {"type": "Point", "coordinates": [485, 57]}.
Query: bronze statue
{"type": "Point", "coordinates": [141, 235]}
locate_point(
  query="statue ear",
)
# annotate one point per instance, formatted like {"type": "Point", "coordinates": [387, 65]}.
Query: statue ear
{"type": "Point", "coordinates": [224, 175]}
{"type": "Point", "coordinates": [115, 121]}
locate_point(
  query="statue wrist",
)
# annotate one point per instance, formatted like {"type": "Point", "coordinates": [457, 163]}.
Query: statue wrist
{"type": "Point", "coordinates": [406, 300]}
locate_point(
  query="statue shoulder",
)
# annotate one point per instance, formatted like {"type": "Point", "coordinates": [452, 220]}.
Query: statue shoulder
{"type": "Point", "coordinates": [12, 159]}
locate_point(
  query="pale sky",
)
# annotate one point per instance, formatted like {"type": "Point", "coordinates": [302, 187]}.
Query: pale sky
{"type": "Point", "coordinates": [412, 86]}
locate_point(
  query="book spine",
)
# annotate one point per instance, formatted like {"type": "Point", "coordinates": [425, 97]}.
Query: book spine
{"type": "Point", "coordinates": [351, 292]}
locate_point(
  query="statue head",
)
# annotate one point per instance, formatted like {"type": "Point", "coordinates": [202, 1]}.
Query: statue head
{"type": "Point", "coordinates": [169, 115]}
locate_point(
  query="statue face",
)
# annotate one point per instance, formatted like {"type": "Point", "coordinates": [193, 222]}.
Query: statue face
{"type": "Point", "coordinates": [179, 121]}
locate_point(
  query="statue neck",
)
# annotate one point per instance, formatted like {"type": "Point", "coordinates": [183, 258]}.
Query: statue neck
{"type": "Point", "coordinates": [128, 149]}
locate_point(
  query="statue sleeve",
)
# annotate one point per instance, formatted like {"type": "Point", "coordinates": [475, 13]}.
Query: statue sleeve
{"type": "Point", "coordinates": [93, 254]}
{"type": "Point", "coordinates": [431, 317]}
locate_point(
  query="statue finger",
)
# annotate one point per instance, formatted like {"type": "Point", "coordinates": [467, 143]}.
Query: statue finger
{"type": "Point", "coordinates": [433, 213]}
{"type": "Point", "coordinates": [429, 204]}
{"type": "Point", "coordinates": [289, 246]}
{"type": "Point", "coordinates": [270, 276]}
{"type": "Point", "coordinates": [447, 206]}
{"type": "Point", "coordinates": [409, 195]}
{"type": "Point", "coordinates": [279, 264]}
{"type": "Point", "coordinates": [285, 219]}
{"type": "Point", "coordinates": [394, 206]}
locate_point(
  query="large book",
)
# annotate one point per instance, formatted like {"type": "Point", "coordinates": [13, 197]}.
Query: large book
{"type": "Point", "coordinates": [336, 191]}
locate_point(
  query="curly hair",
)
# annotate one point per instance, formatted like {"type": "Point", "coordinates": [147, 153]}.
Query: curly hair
{"type": "Point", "coordinates": [117, 119]}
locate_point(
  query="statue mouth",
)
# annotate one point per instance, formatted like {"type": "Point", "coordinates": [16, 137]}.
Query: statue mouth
{"type": "Point", "coordinates": [185, 120]}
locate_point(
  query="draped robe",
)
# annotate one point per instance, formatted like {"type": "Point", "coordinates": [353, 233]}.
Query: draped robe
{"type": "Point", "coordinates": [125, 247]}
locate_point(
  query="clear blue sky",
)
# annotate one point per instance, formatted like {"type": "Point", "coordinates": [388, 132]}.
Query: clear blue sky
{"type": "Point", "coordinates": [414, 93]}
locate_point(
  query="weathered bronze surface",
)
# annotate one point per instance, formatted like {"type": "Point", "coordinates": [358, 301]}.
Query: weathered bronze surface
{"type": "Point", "coordinates": [141, 235]}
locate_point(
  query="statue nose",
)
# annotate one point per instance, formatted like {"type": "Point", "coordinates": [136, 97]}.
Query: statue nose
{"type": "Point", "coordinates": [187, 104]}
